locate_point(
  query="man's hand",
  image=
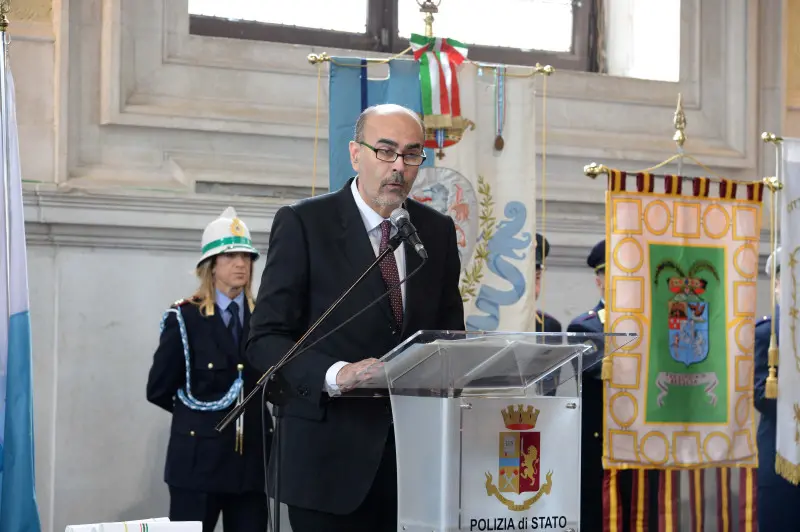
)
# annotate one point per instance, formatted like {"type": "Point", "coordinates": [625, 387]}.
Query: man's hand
{"type": "Point", "coordinates": [351, 374]}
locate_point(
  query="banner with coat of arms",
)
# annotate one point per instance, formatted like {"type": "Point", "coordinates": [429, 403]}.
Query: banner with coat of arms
{"type": "Point", "coordinates": [482, 121]}
{"type": "Point", "coordinates": [682, 267]}
{"type": "Point", "coordinates": [788, 327]}
{"type": "Point", "coordinates": [488, 187]}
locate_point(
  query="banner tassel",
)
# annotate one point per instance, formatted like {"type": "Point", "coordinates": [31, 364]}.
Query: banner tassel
{"type": "Point", "coordinates": [605, 370]}
{"type": "Point", "coordinates": [772, 379]}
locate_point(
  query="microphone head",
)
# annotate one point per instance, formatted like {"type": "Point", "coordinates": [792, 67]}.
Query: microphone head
{"type": "Point", "coordinates": [398, 216]}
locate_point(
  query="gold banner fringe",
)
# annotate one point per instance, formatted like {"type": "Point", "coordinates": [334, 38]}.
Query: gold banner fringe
{"type": "Point", "coordinates": [787, 470]}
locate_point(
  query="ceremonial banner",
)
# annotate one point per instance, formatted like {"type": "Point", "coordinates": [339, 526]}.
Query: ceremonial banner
{"type": "Point", "coordinates": [485, 180]}
{"type": "Point", "coordinates": [682, 267]}
{"type": "Point", "coordinates": [788, 437]}
{"type": "Point", "coordinates": [489, 189]}
{"type": "Point", "coordinates": [18, 508]}
{"type": "Point", "coordinates": [352, 91]}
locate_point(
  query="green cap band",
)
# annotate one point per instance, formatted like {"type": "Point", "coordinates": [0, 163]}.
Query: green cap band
{"type": "Point", "coordinates": [227, 241]}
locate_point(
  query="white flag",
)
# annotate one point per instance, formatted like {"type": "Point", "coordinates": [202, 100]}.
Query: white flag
{"type": "Point", "coordinates": [788, 327]}
{"type": "Point", "coordinates": [18, 508]}
{"type": "Point", "coordinates": [491, 196]}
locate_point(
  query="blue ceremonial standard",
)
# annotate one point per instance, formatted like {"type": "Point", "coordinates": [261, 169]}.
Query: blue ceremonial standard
{"type": "Point", "coordinates": [18, 509]}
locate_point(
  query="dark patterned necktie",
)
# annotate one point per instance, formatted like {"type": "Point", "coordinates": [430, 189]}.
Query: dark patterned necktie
{"type": "Point", "coordinates": [391, 276]}
{"type": "Point", "coordinates": [234, 326]}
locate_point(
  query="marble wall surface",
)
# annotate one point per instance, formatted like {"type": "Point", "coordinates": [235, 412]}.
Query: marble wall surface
{"type": "Point", "coordinates": [135, 134]}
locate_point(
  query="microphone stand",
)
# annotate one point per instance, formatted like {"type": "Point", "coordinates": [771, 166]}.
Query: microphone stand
{"type": "Point", "coordinates": [278, 394]}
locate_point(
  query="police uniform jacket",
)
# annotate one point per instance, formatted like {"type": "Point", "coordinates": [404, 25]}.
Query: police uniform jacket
{"type": "Point", "coordinates": [547, 323]}
{"type": "Point", "coordinates": [592, 473]}
{"type": "Point", "coordinates": [778, 500]}
{"type": "Point", "coordinates": [591, 420]}
{"type": "Point", "coordinates": [198, 456]}
{"type": "Point", "coordinates": [590, 323]}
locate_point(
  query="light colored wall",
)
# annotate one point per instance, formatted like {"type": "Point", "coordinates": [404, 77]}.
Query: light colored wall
{"type": "Point", "coordinates": [122, 113]}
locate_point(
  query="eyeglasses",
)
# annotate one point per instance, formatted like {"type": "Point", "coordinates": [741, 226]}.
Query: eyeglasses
{"type": "Point", "coordinates": [390, 156]}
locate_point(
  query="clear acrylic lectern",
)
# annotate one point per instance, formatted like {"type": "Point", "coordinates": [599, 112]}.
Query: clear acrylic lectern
{"type": "Point", "coordinates": [487, 427]}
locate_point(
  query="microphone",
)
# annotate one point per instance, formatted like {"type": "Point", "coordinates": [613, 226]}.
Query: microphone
{"type": "Point", "coordinates": [402, 221]}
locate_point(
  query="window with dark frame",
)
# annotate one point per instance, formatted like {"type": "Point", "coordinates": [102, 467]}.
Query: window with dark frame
{"type": "Point", "coordinates": [514, 32]}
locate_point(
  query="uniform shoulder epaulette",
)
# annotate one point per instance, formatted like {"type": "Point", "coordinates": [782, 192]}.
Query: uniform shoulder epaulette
{"type": "Point", "coordinates": [585, 316]}
{"type": "Point", "coordinates": [181, 302]}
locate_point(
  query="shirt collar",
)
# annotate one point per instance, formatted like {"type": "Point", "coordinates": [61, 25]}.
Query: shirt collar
{"type": "Point", "coordinates": [223, 300]}
{"type": "Point", "coordinates": [370, 218]}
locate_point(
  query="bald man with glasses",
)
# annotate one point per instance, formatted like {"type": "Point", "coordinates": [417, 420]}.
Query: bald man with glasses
{"type": "Point", "coordinates": [338, 469]}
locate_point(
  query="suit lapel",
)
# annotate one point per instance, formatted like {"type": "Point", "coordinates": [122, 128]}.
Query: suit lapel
{"type": "Point", "coordinates": [357, 248]}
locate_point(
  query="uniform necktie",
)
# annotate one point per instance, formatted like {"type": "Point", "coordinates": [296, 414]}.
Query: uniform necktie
{"type": "Point", "coordinates": [391, 276]}
{"type": "Point", "coordinates": [234, 326]}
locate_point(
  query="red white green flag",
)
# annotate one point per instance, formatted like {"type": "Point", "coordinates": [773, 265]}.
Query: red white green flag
{"type": "Point", "coordinates": [438, 58]}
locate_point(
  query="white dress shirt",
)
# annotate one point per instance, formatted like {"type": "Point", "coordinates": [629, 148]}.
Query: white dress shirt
{"type": "Point", "coordinates": [372, 224]}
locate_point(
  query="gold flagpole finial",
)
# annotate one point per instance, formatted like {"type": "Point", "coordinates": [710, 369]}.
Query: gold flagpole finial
{"type": "Point", "coordinates": [5, 8]}
{"type": "Point", "coordinates": [771, 137]}
{"type": "Point", "coordinates": [315, 59]}
{"type": "Point", "coordinates": [679, 121]}
{"type": "Point", "coordinates": [593, 170]}
{"type": "Point", "coordinates": [429, 7]}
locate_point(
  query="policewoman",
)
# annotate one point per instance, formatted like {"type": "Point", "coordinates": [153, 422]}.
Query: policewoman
{"type": "Point", "coordinates": [777, 500]}
{"type": "Point", "coordinates": [199, 373]}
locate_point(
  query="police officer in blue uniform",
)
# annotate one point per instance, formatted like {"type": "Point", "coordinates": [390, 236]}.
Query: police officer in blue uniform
{"type": "Point", "coordinates": [199, 372]}
{"type": "Point", "coordinates": [544, 321]}
{"type": "Point", "coordinates": [592, 474]}
{"type": "Point", "coordinates": [777, 500]}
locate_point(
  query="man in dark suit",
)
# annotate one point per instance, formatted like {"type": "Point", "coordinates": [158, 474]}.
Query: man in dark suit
{"type": "Point", "coordinates": [778, 501]}
{"type": "Point", "coordinates": [337, 466]}
{"type": "Point", "coordinates": [592, 473]}
{"type": "Point", "coordinates": [198, 377]}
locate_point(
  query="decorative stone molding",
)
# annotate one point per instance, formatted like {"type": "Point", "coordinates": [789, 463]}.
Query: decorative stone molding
{"type": "Point", "coordinates": [174, 109]}
{"type": "Point", "coordinates": [31, 11]}
{"type": "Point", "coordinates": [145, 220]}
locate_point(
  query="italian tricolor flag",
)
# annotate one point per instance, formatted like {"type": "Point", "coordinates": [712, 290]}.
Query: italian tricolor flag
{"type": "Point", "coordinates": [438, 58]}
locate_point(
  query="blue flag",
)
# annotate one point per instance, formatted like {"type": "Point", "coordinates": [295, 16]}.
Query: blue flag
{"type": "Point", "coordinates": [18, 509]}
{"type": "Point", "coordinates": [351, 92]}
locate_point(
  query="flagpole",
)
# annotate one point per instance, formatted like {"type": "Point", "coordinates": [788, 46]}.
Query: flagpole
{"type": "Point", "coordinates": [4, 138]}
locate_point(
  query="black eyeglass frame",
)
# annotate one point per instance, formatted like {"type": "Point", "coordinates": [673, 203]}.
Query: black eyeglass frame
{"type": "Point", "coordinates": [389, 152]}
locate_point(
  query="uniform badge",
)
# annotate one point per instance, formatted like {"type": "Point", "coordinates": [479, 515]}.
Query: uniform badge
{"type": "Point", "coordinates": [236, 227]}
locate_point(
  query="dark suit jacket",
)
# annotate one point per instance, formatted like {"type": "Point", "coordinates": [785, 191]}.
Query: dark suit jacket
{"type": "Point", "coordinates": [199, 457]}
{"type": "Point", "coordinates": [331, 447]}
